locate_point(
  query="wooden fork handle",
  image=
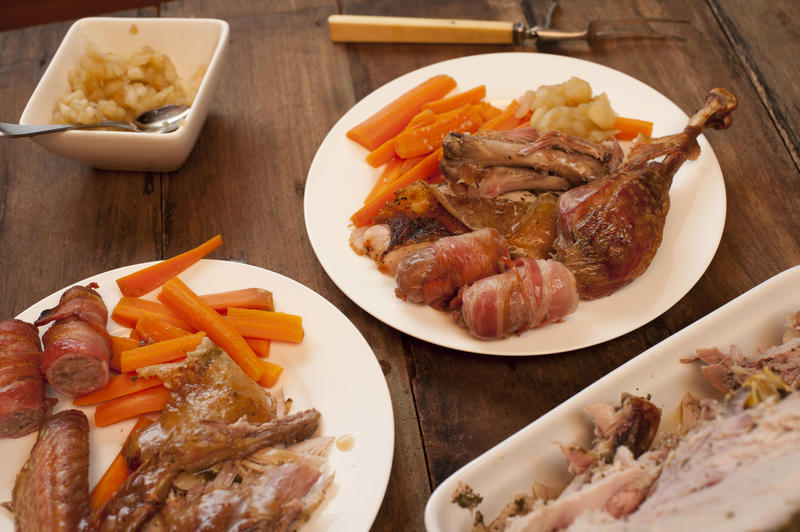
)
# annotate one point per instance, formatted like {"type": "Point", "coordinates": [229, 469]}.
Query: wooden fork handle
{"type": "Point", "coordinates": [362, 28]}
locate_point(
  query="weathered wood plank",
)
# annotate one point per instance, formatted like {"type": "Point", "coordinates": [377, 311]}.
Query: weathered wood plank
{"type": "Point", "coordinates": [765, 38]}
{"type": "Point", "coordinates": [16, 15]}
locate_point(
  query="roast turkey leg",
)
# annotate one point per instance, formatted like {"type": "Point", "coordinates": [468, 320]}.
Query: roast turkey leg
{"type": "Point", "coordinates": [609, 229]}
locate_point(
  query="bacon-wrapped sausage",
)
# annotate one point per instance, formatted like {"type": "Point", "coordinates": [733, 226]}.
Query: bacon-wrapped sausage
{"type": "Point", "coordinates": [77, 347]}
{"type": "Point", "coordinates": [52, 489]}
{"type": "Point", "coordinates": [22, 402]}
{"type": "Point", "coordinates": [434, 274]}
{"type": "Point", "coordinates": [530, 294]}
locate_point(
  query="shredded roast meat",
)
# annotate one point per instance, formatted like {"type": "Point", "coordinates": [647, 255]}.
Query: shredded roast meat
{"type": "Point", "coordinates": [727, 372]}
{"type": "Point", "coordinates": [731, 465]}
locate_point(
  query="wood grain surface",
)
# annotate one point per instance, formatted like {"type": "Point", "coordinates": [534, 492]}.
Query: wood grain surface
{"type": "Point", "coordinates": [286, 85]}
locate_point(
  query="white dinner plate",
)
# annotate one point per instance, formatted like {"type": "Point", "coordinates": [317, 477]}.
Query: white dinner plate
{"type": "Point", "coordinates": [333, 369]}
{"type": "Point", "coordinates": [339, 179]}
{"type": "Point", "coordinates": [754, 319]}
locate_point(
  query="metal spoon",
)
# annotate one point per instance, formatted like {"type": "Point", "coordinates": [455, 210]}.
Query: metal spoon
{"type": "Point", "coordinates": [159, 120]}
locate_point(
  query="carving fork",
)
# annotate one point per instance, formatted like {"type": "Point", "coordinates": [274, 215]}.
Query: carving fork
{"type": "Point", "coordinates": [361, 28]}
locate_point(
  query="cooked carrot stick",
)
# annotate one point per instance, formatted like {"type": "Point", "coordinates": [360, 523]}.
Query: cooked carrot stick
{"type": "Point", "coordinates": [435, 176]}
{"type": "Point", "coordinates": [111, 480]}
{"type": "Point", "coordinates": [389, 174]}
{"type": "Point", "coordinates": [455, 101]}
{"type": "Point", "coordinates": [271, 374]}
{"type": "Point", "coordinates": [180, 298]}
{"type": "Point", "coordinates": [118, 386]}
{"type": "Point", "coordinates": [382, 154]}
{"type": "Point", "coordinates": [115, 475]}
{"type": "Point", "coordinates": [265, 324]}
{"type": "Point", "coordinates": [148, 279]}
{"type": "Point", "coordinates": [118, 345]}
{"type": "Point", "coordinates": [160, 352]}
{"type": "Point", "coordinates": [383, 184]}
{"type": "Point", "coordinates": [421, 170]}
{"type": "Point", "coordinates": [391, 120]}
{"type": "Point", "coordinates": [151, 329]}
{"type": "Point", "coordinates": [260, 346]}
{"type": "Point", "coordinates": [426, 139]}
{"type": "Point", "coordinates": [133, 405]}
{"type": "Point", "coordinates": [630, 128]}
{"type": "Point", "coordinates": [423, 118]}
{"type": "Point", "coordinates": [385, 152]}
{"type": "Point", "coordinates": [129, 310]}
{"type": "Point", "coordinates": [258, 298]}
{"type": "Point", "coordinates": [508, 116]}
{"type": "Point", "coordinates": [489, 111]}
{"type": "Point", "coordinates": [525, 121]}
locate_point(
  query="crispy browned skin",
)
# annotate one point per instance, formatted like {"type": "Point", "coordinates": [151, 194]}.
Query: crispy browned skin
{"type": "Point", "coordinates": [205, 394]}
{"type": "Point", "coordinates": [529, 226]}
{"type": "Point", "coordinates": [52, 490]}
{"type": "Point", "coordinates": [536, 231]}
{"type": "Point", "coordinates": [635, 426]}
{"type": "Point", "coordinates": [610, 229]}
{"type": "Point", "coordinates": [415, 215]}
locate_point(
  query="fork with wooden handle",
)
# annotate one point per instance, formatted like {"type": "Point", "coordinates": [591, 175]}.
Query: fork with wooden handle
{"type": "Point", "coordinates": [363, 28]}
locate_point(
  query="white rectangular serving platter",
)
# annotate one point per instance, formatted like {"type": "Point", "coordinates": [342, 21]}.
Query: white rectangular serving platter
{"type": "Point", "coordinates": [754, 319]}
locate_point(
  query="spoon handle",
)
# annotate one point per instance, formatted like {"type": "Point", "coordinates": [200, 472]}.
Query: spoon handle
{"type": "Point", "coordinates": [23, 130]}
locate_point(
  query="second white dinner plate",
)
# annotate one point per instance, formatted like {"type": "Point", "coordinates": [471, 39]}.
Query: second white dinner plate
{"type": "Point", "coordinates": [333, 370]}
{"type": "Point", "coordinates": [339, 179]}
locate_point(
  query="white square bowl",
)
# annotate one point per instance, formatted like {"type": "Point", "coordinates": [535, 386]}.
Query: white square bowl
{"type": "Point", "coordinates": [191, 44]}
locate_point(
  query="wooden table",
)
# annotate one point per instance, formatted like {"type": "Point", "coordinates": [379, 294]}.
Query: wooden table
{"type": "Point", "coordinates": [287, 84]}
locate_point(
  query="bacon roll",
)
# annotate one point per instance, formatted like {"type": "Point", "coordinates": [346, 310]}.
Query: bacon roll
{"type": "Point", "coordinates": [23, 405]}
{"type": "Point", "coordinates": [77, 347]}
{"type": "Point", "coordinates": [51, 491]}
{"type": "Point", "coordinates": [530, 294]}
{"type": "Point", "coordinates": [434, 274]}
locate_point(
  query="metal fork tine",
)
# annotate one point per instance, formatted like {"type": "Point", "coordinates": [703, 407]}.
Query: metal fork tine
{"type": "Point", "coordinates": [638, 20]}
{"type": "Point", "coordinates": [595, 30]}
{"type": "Point", "coordinates": [548, 19]}
{"type": "Point", "coordinates": [634, 35]}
